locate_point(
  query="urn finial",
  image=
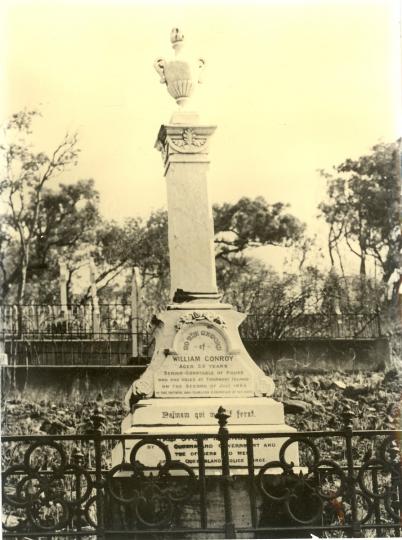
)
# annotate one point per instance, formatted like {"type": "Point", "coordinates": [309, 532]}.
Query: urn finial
{"type": "Point", "coordinates": [182, 74]}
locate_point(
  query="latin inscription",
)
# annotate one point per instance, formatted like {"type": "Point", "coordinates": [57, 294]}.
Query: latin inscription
{"type": "Point", "coordinates": [235, 414]}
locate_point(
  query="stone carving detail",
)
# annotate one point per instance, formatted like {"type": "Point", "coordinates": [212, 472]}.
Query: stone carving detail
{"type": "Point", "coordinates": [141, 388]}
{"type": "Point", "coordinates": [182, 74]}
{"type": "Point", "coordinates": [189, 142]}
{"type": "Point", "coordinates": [265, 386]}
{"type": "Point", "coordinates": [185, 141]}
{"type": "Point", "coordinates": [195, 317]}
{"type": "Point", "coordinates": [159, 65]}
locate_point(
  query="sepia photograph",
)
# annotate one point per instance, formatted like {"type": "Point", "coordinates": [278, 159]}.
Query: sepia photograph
{"type": "Point", "coordinates": [200, 269]}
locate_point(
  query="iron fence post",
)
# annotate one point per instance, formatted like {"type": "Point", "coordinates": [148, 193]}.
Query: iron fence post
{"type": "Point", "coordinates": [348, 426]}
{"type": "Point", "coordinates": [223, 434]}
{"type": "Point", "coordinates": [396, 490]}
{"type": "Point", "coordinates": [98, 420]}
{"type": "Point", "coordinates": [378, 314]}
{"type": "Point", "coordinates": [77, 459]}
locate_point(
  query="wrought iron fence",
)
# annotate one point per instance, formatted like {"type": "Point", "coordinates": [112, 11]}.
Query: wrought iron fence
{"type": "Point", "coordinates": [347, 483]}
{"type": "Point", "coordinates": [312, 326]}
{"type": "Point", "coordinates": [73, 335]}
{"type": "Point", "coordinates": [74, 321]}
{"type": "Point", "coordinates": [89, 322]}
{"type": "Point", "coordinates": [65, 350]}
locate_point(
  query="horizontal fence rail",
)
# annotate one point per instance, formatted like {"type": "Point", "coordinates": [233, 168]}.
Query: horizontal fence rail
{"type": "Point", "coordinates": [346, 483]}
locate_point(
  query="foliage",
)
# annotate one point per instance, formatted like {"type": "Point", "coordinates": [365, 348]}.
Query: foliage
{"type": "Point", "coordinates": [362, 207]}
{"type": "Point", "coordinates": [253, 223]}
{"type": "Point", "coordinates": [283, 303]}
{"type": "Point", "coordinates": [372, 396]}
{"type": "Point", "coordinates": [66, 229]}
{"type": "Point", "coordinates": [22, 189]}
{"type": "Point", "coordinates": [43, 226]}
{"type": "Point", "coordinates": [250, 223]}
{"type": "Point", "coordinates": [136, 243]}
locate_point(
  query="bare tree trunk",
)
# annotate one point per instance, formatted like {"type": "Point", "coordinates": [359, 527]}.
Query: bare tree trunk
{"type": "Point", "coordinates": [331, 257]}
{"type": "Point", "coordinates": [21, 292]}
{"type": "Point", "coordinates": [363, 264]}
{"type": "Point", "coordinates": [23, 281]}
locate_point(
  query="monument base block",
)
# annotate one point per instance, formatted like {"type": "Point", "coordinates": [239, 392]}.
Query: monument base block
{"type": "Point", "coordinates": [177, 423]}
{"type": "Point", "coordinates": [202, 411]}
{"type": "Point", "coordinates": [200, 365]}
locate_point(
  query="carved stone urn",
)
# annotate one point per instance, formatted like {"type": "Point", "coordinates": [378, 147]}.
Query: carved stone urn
{"type": "Point", "coordinates": [182, 74]}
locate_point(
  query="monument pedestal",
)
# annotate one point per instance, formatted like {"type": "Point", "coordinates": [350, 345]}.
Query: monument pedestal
{"type": "Point", "coordinates": [199, 365]}
{"type": "Point", "coordinates": [199, 353]}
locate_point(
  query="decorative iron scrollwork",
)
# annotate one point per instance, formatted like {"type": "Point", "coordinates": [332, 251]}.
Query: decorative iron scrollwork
{"type": "Point", "coordinates": [352, 484]}
{"type": "Point", "coordinates": [154, 491]}
{"type": "Point", "coordinates": [329, 487]}
{"type": "Point", "coordinates": [43, 492]}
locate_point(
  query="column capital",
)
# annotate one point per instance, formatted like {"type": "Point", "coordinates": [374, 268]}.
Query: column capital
{"type": "Point", "coordinates": [184, 143]}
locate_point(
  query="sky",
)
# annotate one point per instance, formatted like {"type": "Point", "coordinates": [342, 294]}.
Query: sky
{"type": "Point", "coordinates": [293, 87]}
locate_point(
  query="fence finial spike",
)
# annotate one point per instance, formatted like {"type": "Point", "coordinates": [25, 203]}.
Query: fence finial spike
{"type": "Point", "coordinates": [222, 416]}
{"type": "Point", "coordinates": [348, 416]}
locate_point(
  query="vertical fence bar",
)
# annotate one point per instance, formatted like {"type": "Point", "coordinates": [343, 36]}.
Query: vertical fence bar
{"type": "Point", "coordinates": [77, 459]}
{"type": "Point", "coordinates": [377, 512]}
{"type": "Point", "coordinates": [98, 421]}
{"type": "Point", "coordinates": [203, 491]}
{"type": "Point", "coordinates": [396, 483]}
{"type": "Point", "coordinates": [250, 466]}
{"type": "Point", "coordinates": [378, 317]}
{"type": "Point", "coordinates": [223, 434]}
{"type": "Point", "coordinates": [348, 421]}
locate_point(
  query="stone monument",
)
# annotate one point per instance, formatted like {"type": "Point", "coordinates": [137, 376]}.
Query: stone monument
{"type": "Point", "coordinates": [199, 363]}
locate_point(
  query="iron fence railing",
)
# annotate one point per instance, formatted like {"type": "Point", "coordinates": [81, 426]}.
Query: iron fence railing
{"type": "Point", "coordinates": [73, 335]}
{"type": "Point", "coordinates": [87, 321]}
{"type": "Point", "coordinates": [312, 326]}
{"type": "Point", "coordinates": [87, 350]}
{"type": "Point", "coordinates": [347, 483]}
{"type": "Point", "coordinates": [75, 320]}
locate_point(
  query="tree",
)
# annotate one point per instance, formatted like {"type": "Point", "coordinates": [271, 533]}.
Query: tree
{"type": "Point", "coordinates": [278, 304]}
{"type": "Point", "coordinates": [118, 248]}
{"type": "Point", "coordinates": [66, 231]}
{"type": "Point", "coordinates": [248, 223]}
{"type": "Point", "coordinates": [362, 208]}
{"type": "Point", "coordinates": [26, 175]}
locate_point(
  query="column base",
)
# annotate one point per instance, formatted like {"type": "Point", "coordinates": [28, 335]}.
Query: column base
{"type": "Point", "coordinates": [181, 296]}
